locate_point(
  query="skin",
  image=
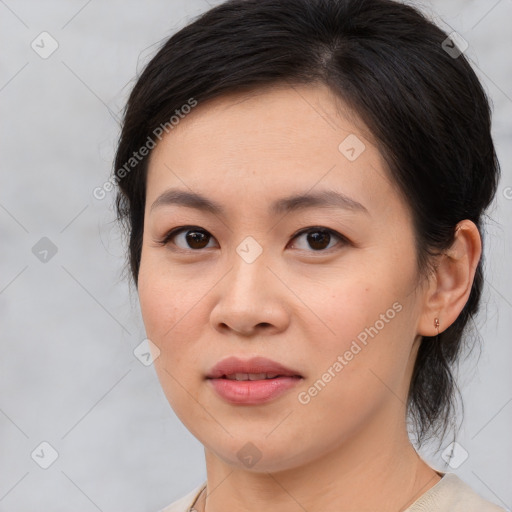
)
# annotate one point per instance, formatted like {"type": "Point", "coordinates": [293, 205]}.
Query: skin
{"type": "Point", "coordinates": [347, 449]}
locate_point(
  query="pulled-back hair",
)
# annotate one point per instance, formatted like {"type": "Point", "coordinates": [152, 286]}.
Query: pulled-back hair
{"type": "Point", "coordinates": [422, 103]}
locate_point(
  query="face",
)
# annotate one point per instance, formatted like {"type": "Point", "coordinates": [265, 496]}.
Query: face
{"type": "Point", "coordinates": [327, 289]}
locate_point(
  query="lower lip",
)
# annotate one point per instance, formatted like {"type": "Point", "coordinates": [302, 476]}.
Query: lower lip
{"type": "Point", "coordinates": [252, 392]}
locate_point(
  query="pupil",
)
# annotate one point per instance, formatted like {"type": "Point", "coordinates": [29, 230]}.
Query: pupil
{"type": "Point", "coordinates": [319, 239]}
{"type": "Point", "coordinates": [193, 239]}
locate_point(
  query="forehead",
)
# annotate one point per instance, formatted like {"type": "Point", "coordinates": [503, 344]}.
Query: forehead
{"type": "Point", "coordinates": [269, 142]}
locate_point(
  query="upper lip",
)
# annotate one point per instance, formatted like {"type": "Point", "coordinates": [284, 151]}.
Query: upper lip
{"type": "Point", "coordinates": [232, 365]}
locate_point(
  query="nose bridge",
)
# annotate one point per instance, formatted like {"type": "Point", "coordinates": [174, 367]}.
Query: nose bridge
{"type": "Point", "coordinates": [248, 298]}
{"type": "Point", "coordinates": [249, 269]}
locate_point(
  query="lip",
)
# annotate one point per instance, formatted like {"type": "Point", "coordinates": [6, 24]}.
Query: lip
{"type": "Point", "coordinates": [233, 364]}
{"type": "Point", "coordinates": [251, 392]}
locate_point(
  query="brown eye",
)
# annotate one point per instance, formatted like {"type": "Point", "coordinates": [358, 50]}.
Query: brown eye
{"type": "Point", "coordinates": [197, 239]}
{"type": "Point", "coordinates": [192, 238]}
{"type": "Point", "coordinates": [319, 239]}
{"type": "Point", "coordinates": [188, 238]}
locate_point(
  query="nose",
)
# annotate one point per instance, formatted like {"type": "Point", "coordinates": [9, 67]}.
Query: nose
{"type": "Point", "coordinates": [251, 300]}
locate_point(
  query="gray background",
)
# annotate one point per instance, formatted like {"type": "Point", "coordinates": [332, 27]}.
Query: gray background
{"type": "Point", "coordinates": [69, 325]}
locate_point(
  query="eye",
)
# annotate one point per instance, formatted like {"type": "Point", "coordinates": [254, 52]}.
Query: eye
{"type": "Point", "coordinates": [195, 237]}
{"type": "Point", "coordinates": [319, 238]}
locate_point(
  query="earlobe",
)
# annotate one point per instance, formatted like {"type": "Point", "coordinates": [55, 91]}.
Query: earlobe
{"type": "Point", "coordinates": [452, 280]}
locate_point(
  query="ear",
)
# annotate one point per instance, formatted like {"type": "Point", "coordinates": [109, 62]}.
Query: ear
{"type": "Point", "coordinates": [450, 285]}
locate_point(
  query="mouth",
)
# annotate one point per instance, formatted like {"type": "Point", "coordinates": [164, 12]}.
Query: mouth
{"type": "Point", "coordinates": [256, 368]}
{"type": "Point", "coordinates": [255, 376]}
{"type": "Point", "coordinates": [252, 389]}
{"type": "Point", "coordinates": [256, 381]}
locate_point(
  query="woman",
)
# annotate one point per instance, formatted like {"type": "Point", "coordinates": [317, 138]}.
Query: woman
{"type": "Point", "coordinates": [302, 184]}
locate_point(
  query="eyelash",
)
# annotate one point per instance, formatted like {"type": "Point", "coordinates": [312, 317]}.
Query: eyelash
{"type": "Point", "coordinates": [169, 235]}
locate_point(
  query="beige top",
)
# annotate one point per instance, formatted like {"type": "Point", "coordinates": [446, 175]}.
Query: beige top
{"type": "Point", "coordinates": [450, 494]}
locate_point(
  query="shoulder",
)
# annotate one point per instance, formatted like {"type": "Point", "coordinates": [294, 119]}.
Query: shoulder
{"type": "Point", "coordinates": [451, 494]}
{"type": "Point", "coordinates": [185, 502]}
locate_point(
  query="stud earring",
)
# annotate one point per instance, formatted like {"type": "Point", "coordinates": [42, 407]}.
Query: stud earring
{"type": "Point", "coordinates": [436, 325]}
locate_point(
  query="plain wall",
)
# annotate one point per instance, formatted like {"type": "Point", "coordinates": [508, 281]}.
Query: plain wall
{"type": "Point", "coordinates": [70, 324]}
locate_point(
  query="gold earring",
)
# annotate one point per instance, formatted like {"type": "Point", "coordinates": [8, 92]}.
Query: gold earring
{"type": "Point", "coordinates": [436, 325]}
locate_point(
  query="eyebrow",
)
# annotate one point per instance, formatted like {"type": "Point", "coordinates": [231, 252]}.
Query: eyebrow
{"type": "Point", "coordinates": [321, 199]}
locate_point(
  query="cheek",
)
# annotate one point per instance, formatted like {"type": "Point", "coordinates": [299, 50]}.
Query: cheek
{"type": "Point", "coordinates": [167, 310]}
{"type": "Point", "coordinates": [349, 304]}
{"type": "Point", "coordinates": [167, 296]}
{"type": "Point", "coordinates": [369, 315]}
{"type": "Point", "coordinates": [170, 307]}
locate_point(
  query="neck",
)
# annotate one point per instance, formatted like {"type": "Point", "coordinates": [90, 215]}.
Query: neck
{"type": "Point", "coordinates": [374, 471]}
